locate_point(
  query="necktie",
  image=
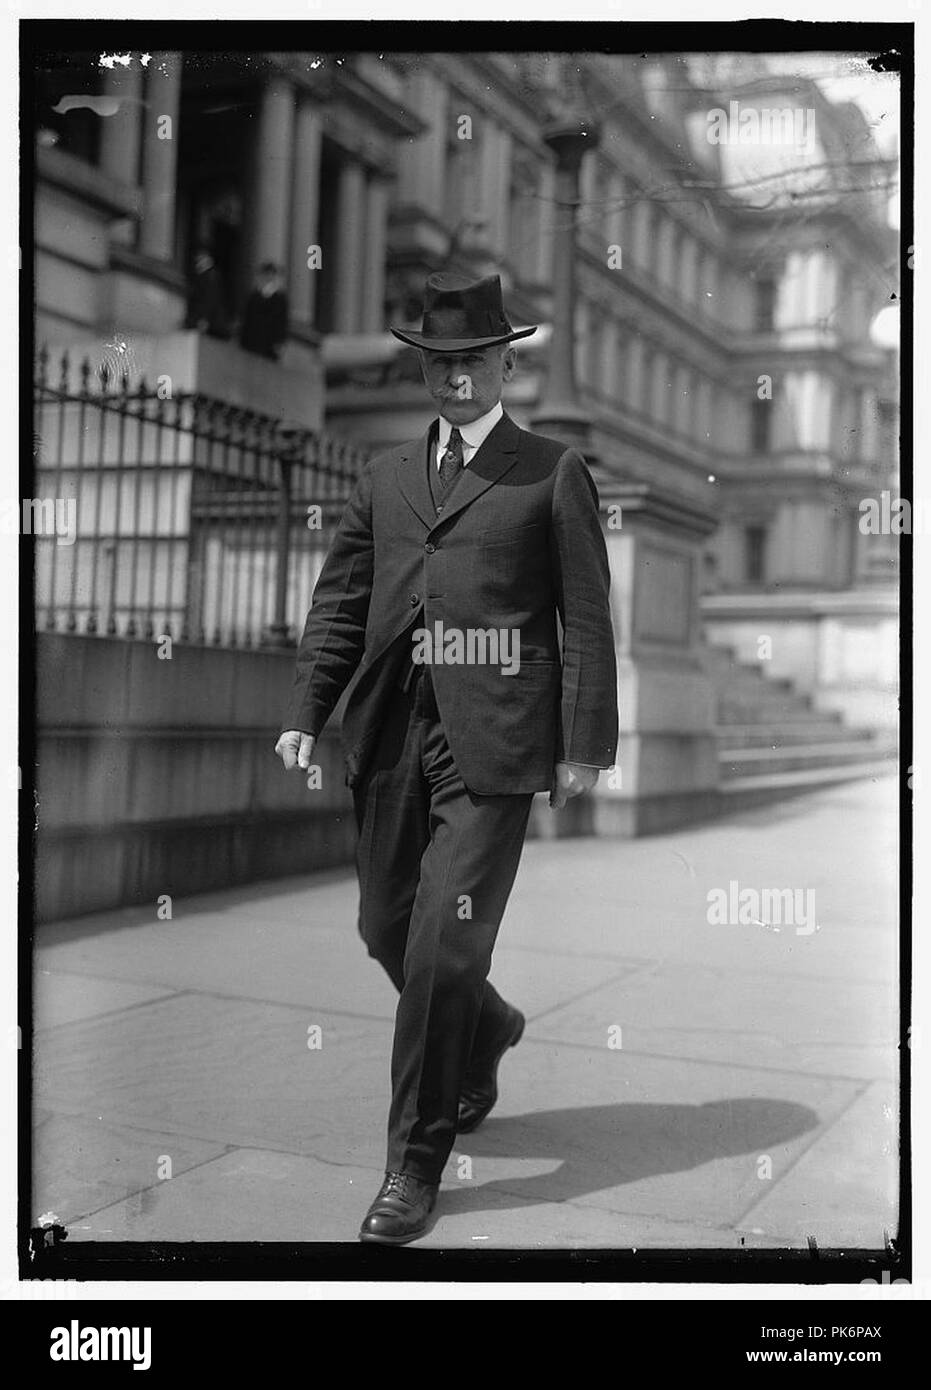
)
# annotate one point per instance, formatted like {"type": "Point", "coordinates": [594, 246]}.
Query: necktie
{"type": "Point", "coordinates": [452, 462]}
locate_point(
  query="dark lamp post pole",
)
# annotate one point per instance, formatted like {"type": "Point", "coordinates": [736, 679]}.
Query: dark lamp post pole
{"type": "Point", "coordinates": [560, 411]}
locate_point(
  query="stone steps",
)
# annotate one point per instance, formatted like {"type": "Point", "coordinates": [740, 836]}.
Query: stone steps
{"type": "Point", "coordinates": [756, 762]}
{"type": "Point", "coordinates": [773, 742]}
{"type": "Point", "coordinates": [766, 710]}
{"type": "Point", "coordinates": [784, 734]}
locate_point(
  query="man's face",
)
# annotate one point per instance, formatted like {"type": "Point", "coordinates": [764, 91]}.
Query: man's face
{"type": "Point", "coordinates": [466, 385]}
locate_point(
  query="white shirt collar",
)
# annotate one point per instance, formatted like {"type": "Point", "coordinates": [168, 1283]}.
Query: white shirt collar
{"type": "Point", "coordinates": [475, 432]}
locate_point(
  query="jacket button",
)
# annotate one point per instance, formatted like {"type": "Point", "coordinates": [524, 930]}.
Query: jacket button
{"type": "Point", "coordinates": [429, 548]}
{"type": "Point", "coordinates": [414, 600]}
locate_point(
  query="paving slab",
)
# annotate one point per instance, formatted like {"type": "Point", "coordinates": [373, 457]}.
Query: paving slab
{"type": "Point", "coordinates": [257, 1195]}
{"type": "Point", "coordinates": [286, 962]}
{"type": "Point", "coordinates": [60, 997]}
{"type": "Point", "coordinates": [245, 1195]}
{"type": "Point", "coordinates": [83, 1162]}
{"type": "Point", "coordinates": [312, 955]}
{"type": "Point", "coordinates": [229, 1071]}
{"type": "Point", "coordinates": [858, 1207]}
{"type": "Point", "coordinates": [684, 1142]}
{"type": "Point", "coordinates": [649, 898]}
{"type": "Point", "coordinates": [754, 1019]}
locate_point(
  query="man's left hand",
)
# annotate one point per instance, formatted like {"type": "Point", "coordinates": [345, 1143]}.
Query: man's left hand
{"type": "Point", "coordinates": [569, 780]}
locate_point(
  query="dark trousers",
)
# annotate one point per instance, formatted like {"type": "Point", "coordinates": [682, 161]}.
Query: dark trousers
{"type": "Point", "coordinates": [436, 865]}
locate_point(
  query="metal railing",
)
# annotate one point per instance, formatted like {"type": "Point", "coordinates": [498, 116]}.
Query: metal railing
{"type": "Point", "coordinates": [176, 516]}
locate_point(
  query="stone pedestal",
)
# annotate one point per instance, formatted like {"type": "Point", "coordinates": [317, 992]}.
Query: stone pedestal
{"type": "Point", "coordinates": [667, 768]}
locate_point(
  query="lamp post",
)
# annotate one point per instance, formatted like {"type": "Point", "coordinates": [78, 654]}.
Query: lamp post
{"type": "Point", "coordinates": [560, 411]}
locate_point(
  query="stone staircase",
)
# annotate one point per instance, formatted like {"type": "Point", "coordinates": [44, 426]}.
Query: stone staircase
{"type": "Point", "coordinates": [773, 742]}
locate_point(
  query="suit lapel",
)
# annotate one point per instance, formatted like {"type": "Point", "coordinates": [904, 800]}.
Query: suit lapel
{"type": "Point", "coordinates": [497, 456]}
{"type": "Point", "coordinates": [413, 479]}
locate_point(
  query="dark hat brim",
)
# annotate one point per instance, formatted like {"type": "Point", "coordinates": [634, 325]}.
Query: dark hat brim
{"type": "Point", "coordinates": [418, 340]}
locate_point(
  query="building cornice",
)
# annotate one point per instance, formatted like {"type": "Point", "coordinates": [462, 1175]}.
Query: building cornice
{"type": "Point", "coordinates": [86, 181]}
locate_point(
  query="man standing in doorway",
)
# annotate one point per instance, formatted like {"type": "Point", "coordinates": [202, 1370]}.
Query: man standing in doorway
{"type": "Point", "coordinates": [476, 527]}
{"type": "Point", "coordinates": [265, 316]}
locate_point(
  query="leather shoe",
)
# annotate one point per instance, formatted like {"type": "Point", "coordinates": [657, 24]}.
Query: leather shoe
{"type": "Point", "coordinates": [480, 1088]}
{"type": "Point", "coordinates": [401, 1210]}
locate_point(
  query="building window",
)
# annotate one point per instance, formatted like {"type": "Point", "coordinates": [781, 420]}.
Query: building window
{"type": "Point", "coordinates": [764, 311]}
{"type": "Point", "coordinates": [660, 393]}
{"type": "Point", "coordinates": [755, 554]}
{"type": "Point", "coordinates": [645, 224]}
{"type": "Point", "coordinates": [642, 401]}
{"type": "Point", "coordinates": [620, 386]}
{"type": "Point", "coordinates": [760, 418]}
{"type": "Point", "coordinates": [709, 284]}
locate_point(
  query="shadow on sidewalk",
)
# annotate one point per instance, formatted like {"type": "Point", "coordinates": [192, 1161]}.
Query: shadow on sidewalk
{"type": "Point", "coordinates": [600, 1147]}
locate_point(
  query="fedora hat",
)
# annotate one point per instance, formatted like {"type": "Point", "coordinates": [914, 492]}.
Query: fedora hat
{"type": "Point", "coordinates": [459, 314]}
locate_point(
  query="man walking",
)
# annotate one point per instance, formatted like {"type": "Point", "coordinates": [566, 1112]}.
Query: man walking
{"type": "Point", "coordinates": [457, 563]}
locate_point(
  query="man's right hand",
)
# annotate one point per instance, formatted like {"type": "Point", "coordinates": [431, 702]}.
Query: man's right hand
{"type": "Point", "coordinates": [295, 749]}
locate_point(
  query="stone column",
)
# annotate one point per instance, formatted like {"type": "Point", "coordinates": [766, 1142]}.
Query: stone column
{"type": "Point", "coordinates": [421, 161]}
{"type": "Point", "coordinates": [120, 136]}
{"type": "Point", "coordinates": [119, 133]}
{"type": "Point", "coordinates": [350, 233]}
{"type": "Point", "coordinates": [272, 175]}
{"type": "Point", "coordinates": [373, 278]}
{"type": "Point", "coordinates": [160, 156]}
{"type": "Point", "coordinates": [305, 212]}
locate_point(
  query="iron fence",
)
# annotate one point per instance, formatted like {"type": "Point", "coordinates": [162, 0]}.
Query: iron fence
{"type": "Point", "coordinates": [176, 515]}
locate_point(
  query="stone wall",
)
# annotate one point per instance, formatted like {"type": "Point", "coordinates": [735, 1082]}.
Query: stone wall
{"type": "Point", "coordinates": [159, 777]}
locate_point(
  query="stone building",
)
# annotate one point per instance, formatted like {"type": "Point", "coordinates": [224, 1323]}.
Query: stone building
{"type": "Point", "coordinates": [736, 410]}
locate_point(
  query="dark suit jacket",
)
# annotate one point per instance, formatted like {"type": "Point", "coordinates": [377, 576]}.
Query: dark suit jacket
{"type": "Point", "coordinates": [518, 541]}
{"type": "Point", "coordinates": [265, 322]}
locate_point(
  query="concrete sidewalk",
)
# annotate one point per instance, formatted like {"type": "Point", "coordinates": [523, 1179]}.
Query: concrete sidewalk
{"type": "Point", "coordinates": [679, 1084]}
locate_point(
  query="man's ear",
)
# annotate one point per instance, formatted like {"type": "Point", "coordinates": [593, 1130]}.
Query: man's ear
{"type": "Point", "coordinates": [508, 362]}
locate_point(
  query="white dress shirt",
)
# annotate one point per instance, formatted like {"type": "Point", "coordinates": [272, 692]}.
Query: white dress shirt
{"type": "Point", "coordinates": [473, 435]}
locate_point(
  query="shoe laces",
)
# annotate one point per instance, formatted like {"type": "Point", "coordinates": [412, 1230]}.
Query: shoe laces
{"type": "Point", "coordinates": [395, 1184]}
